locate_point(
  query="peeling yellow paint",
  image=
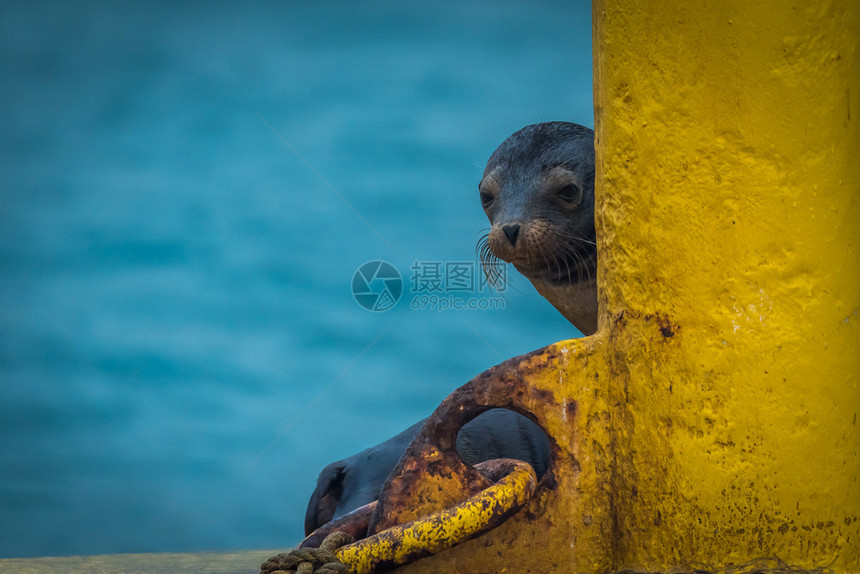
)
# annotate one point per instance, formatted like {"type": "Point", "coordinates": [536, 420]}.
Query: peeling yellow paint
{"type": "Point", "coordinates": [432, 534]}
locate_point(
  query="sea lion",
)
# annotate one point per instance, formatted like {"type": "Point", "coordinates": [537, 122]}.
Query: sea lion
{"type": "Point", "coordinates": [345, 485]}
{"type": "Point", "coordinates": [357, 480]}
{"type": "Point", "coordinates": [538, 193]}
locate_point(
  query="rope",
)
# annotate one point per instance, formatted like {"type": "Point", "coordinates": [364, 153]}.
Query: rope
{"type": "Point", "coordinates": [320, 560]}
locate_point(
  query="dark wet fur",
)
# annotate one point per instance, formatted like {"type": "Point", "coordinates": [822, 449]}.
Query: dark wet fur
{"type": "Point", "coordinates": [490, 264]}
{"type": "Point", "coordinates": [357, 480]}
{"type": "Point", "coordinates": [575, 262]}
{"type": "Point", "coordinates": [526, 157]}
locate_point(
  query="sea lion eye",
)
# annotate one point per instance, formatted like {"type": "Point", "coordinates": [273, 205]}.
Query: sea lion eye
{"type": "Point", "coordinates": [569, 193]}
{"type": "Point", "coordinates": [486, 199]}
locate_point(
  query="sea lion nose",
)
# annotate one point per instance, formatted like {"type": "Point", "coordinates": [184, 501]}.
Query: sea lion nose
{"type": "Point", "coordinates": [511, 231]}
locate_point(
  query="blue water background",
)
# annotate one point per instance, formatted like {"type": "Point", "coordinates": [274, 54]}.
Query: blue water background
{"type": "Point", "coordinates": [187, 190]}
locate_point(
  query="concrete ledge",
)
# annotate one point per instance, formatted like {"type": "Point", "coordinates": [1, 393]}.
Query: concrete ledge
{"type": "Point", "coordinates": [245, 562]}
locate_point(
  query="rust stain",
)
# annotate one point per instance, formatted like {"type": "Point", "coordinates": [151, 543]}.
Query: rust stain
{"type": "Point", "coordinates": [666, 326]}
{"type": "Point", "coordinates": [431, 476]}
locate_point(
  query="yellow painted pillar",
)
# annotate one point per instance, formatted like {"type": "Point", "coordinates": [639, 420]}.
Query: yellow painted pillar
{"type": "Point", "coordinates": [729, 224]}
{"type": "Point", "coordinates": [713, 417]}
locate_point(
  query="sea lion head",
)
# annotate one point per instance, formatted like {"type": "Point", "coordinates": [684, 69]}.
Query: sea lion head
{"type": "Point", "coordinates": [538, 193]}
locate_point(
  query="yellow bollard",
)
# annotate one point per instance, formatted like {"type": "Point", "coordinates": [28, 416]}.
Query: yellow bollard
{"type": "Point", "coordinates": [712, 420]}
{"type": "Point", "coordinates": [729, 154]}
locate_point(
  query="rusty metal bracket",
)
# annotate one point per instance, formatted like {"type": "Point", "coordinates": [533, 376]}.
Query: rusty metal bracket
{"type": "Point", "coordinates": [431, 475]}
{"type": "Point", "coordinates": [433, 500]}
{"type": "Point", "coordinates": [431, 534]}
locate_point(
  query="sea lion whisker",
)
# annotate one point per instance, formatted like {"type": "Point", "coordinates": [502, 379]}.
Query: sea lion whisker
{"type": "Point", "coordinates": [553, 245]}
{"type": "Point", "coordinates": [485, 232]}
{"type": "Point", "coordinates": [490, 264]}
{"type": "Point", "coordinates": [577, 238]}
{"type": "Point", "coordinates": [580, 249]}
{"type": "Point", "coordinates": [582, 263]}
{"type": "Point", "coordinates": [572, 251]}
{"type": "Point", "coordinates": [481, 245]}
{"type": "Point", "coordinates": [560, 262]}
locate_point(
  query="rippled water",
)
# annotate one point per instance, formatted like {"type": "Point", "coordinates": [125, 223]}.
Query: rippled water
{"type": "Point", "coordinates": [187, 190]}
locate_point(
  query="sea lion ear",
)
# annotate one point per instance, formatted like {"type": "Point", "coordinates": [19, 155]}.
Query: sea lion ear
{"type": "Point", "coordinates": [326, 496]}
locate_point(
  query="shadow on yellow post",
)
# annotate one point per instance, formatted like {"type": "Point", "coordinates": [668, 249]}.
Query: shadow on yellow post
{"type": "Point", "coordinates": [713, 418]}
